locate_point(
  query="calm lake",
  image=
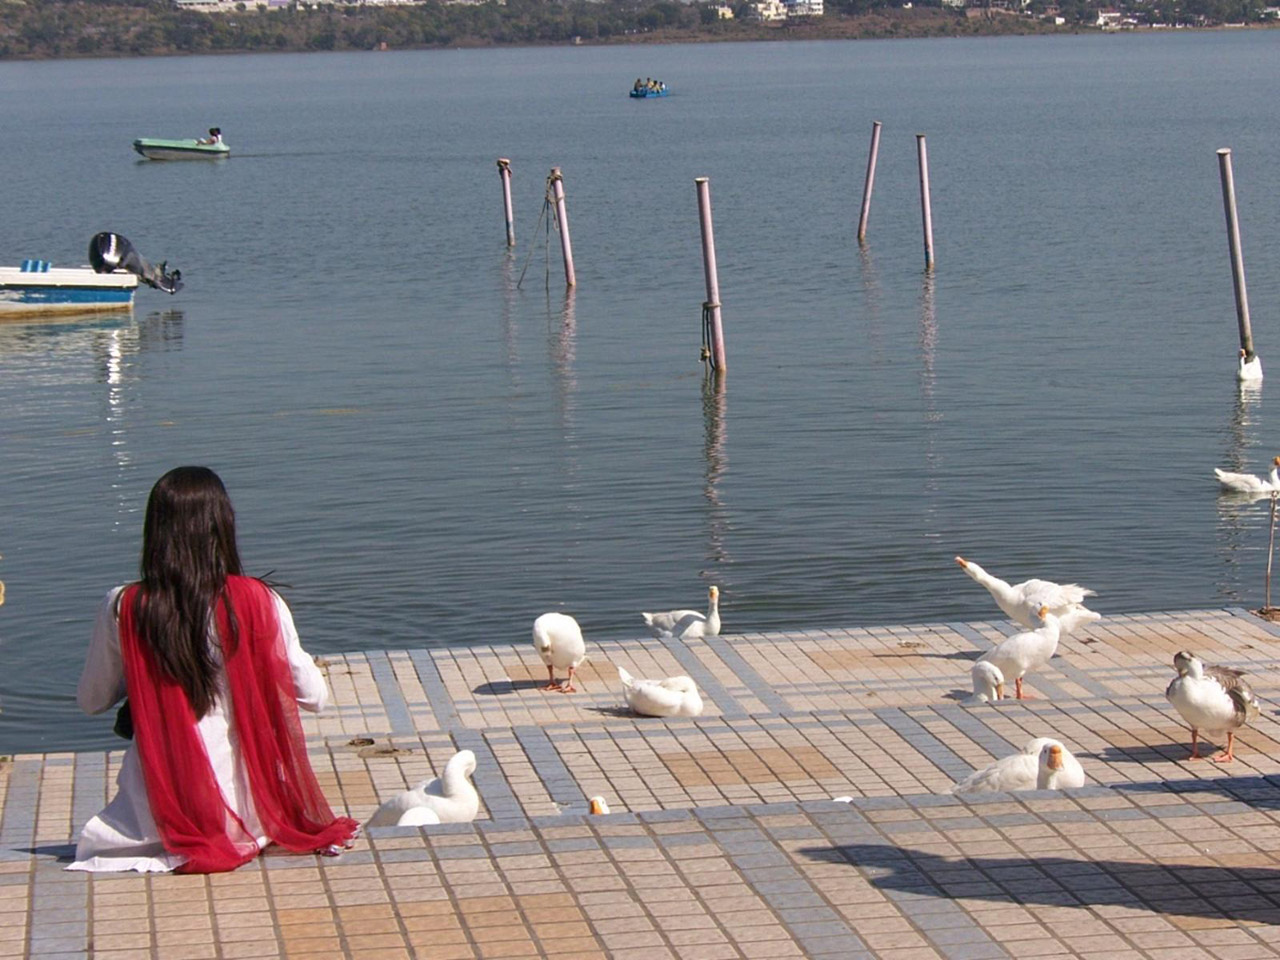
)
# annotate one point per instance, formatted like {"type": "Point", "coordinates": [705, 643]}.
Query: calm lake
{"type": "Point", "coordinates": [427, 451]}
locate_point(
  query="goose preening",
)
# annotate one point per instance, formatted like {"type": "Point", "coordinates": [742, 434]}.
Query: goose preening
{"type": "Point", "coordinates": [558, 639]}
{"type": "Point", "coordinates": [451, 797]}
{"type": "Point", "coordinates": [1249, 369]}
{"type": "Point", "coordinates": [1043, 764]}
{"type": "Point", "coordinates": [1020, 601]}
{"type": "Point", "coordinates": [988, 683]}
{"type": "Point", "coordinates": [1250, 482]}
{"type": "Point", "coordinates": [1024, 652]}
{"type": "Point", "coordinates": [672, 697]}
{"type": "Point", "coordinates": [687, 624]}
{"type": "Point", "coordinates": [1212, 699]}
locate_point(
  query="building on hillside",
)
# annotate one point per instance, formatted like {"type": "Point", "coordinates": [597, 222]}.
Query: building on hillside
{"type": "Point", "coordinates": [767, 11]}
{"type": "Point", "coordinates": [723, 11]}
{"type": "Point", "coordinates": [1108, 19]}
{"type": "Point", "coordinates": [803, 8]}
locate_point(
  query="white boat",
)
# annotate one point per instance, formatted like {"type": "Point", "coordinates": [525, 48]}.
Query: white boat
{"type": "Point", "coordinates": [37, 287]}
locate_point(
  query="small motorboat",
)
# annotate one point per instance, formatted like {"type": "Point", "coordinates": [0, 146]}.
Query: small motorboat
{"type": "Point", "coordinates": [38, 287]}
{"type": "Point", "coordinates": [107, 283]}
{"type": "Point", "coordinates": [204, 149]}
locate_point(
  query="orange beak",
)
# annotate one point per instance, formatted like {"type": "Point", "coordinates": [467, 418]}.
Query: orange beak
{"type": "Point", "coordinates": [1043, 612]}
{"type": "Point", "coordinates": [1055, 758]}
{"type": "Point", "coordinates": [598, 805]}
{"type": "Point", "coordinates": [962, 561]}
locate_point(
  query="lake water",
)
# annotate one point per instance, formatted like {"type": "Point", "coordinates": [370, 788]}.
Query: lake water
{"type": "Point", "coordinates": [428, 453]}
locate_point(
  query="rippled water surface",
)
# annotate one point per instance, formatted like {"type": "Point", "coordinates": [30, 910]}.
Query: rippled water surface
{"type": "Point", "coordinates": [428, 452]}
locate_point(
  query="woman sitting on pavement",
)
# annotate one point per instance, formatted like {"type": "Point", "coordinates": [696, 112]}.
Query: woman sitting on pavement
{"type": "Point", "coordinates": [214, 674]}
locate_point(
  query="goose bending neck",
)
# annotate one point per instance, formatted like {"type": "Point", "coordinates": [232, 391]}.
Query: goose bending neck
{"type": "Point", "coordinates": [456, 772]}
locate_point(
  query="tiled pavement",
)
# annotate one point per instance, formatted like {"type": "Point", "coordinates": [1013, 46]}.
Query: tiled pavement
{"type": "Point", "coordinates": [724, 841]}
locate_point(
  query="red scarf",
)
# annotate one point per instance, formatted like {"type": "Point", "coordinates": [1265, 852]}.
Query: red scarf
{"type": "Point", "coordinates": [190, 812]}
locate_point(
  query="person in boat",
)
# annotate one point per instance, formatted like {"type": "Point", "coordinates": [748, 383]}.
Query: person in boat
{"type": "Point", "coordinates": [639, 84]}
{"type": "Point", "coordinates": [214, 674]}
{"type": "Point", "coordinates": [215, 136]}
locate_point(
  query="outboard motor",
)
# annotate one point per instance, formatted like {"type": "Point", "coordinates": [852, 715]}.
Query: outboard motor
{"type": "Point", "coordinates": [110, 251]}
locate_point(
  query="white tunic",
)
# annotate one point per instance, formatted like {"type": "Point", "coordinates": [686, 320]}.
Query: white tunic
{"type": "Point", "coordinates": [124, 835]}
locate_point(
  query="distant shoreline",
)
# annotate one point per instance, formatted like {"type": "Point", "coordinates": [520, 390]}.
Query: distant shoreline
{"type": "Point", "coordinates": [89, 30]}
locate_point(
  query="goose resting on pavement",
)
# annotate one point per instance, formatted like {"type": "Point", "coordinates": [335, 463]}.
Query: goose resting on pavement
{"type": "Point", "coordinates": [1043, 764]}
{"type": "Point", "coordinates": [451, 797]}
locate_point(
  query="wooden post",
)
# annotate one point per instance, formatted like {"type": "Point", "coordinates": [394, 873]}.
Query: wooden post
{"type": "Point", "coordinates": [1237, 257]}
{"type": "Point", "coordinates": [926, 214]}
{"type": "Point", "coordinates": [562, 224]}
{"type": "Point", "coordinates": [712, 327]}
{"type": "Point", "coordinates": [871, 179]}
{"type": "Point", "coordinates": [504, 171]}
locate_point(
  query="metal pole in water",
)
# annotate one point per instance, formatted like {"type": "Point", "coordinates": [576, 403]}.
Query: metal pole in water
{"type": "Point", "coordinates": [504, 171]}
{"type": "Point", "coordinates": [1237, 257]}
{"type": "Point", "coordinates": [871, 179]}
{"type": "Point", "coordinates": [710, 309]}
{"type": "Point", "coordinates": [562, 223]}
{"type": "Point", "coordinates": [925, 213]}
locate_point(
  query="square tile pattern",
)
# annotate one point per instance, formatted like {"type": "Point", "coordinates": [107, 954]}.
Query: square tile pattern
{"type": "Point", "coordinates": [723, 841]}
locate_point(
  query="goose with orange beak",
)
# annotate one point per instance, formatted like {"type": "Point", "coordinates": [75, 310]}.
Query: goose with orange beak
{"type": "Point", "coordinates": [1020, 601]}
{"type": "Point", "coordinates": [1022, 653]}
{"type": "Point", "coordinates": [1043, 764]}
{"type": "Point", "coordinates": [1058, 769]}
{"type": "Point", "coordinates": [1250, 483]}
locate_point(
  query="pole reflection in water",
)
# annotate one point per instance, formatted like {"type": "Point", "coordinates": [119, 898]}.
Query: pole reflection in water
{"type": "Point", "coordinates": [563, 344]}
{"type": "Point", "coordinates": [714, 404]}
{"type": "Point", "coordinates": [1242, 518]}
{"type": "Point", "coordinates": [873, 297]}
{"type": "Point", "coordinates": [510, 329]}
{"type": "Point", "coordinates": [928, 384]}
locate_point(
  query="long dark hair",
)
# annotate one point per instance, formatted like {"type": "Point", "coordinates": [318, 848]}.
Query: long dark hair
{"type": "Point", "coordinates": [188, 551]}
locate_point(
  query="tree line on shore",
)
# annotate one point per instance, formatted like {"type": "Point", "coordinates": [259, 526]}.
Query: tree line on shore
{"type": "Point", "coordinates": [85, 28]}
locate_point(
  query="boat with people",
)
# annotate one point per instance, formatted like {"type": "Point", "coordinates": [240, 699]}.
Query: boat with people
{"type": "Point", "coordinates": [204, 148]}
{"type": "Point", "coordinates": [648, 88]}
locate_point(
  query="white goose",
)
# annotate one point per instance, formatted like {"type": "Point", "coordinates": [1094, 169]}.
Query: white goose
{"type": "Point", "coordinates": [1043, 764]}
{"type": "Point", "coordinates": [672, 697]}
{"type": "Point", "coordinates": [418, 817]}
{"type": "Point", "coordinates": [451, 797]}
{"type": "Point", "coordinates": [1018, 655]}
{"type": "Point", "coordinates": [988, 683]}
{"type": "Point", "coordinates": [1021, 601]}
{"type": "Point", "coordinates": [687, 624]}
{"type": "Point", "coordinates": [1249, 370]}
{"type": "Point", "coordinates": [1212, 699]}
{"type": "Point", "coordinates": [558, 639]}
{"type": "Point", "coordinates": [1250, 482]}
